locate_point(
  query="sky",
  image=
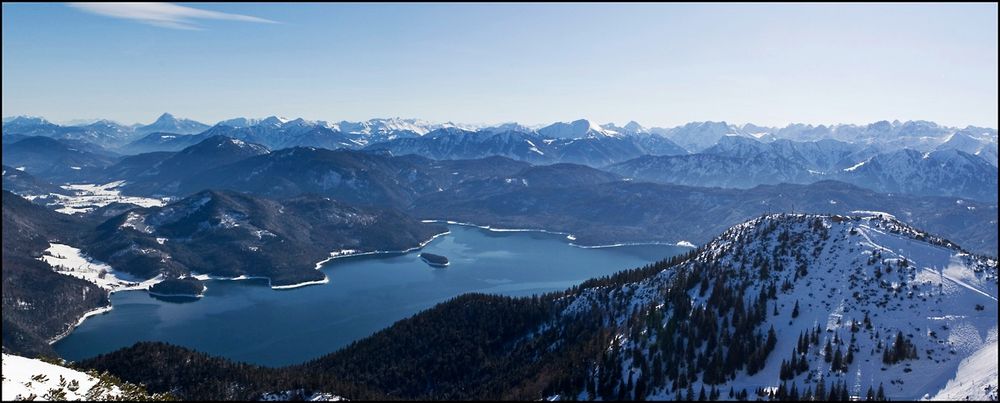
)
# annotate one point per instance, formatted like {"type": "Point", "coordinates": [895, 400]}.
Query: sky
{"type": "Point", "coordinates": [658, 64]}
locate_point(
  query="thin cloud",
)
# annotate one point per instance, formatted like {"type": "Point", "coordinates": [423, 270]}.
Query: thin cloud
{"type": "Point", "coordinates": [166, 15]}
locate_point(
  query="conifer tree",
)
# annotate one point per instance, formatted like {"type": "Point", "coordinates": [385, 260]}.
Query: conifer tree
{"type": "Point", "coordinates": [838, 361]}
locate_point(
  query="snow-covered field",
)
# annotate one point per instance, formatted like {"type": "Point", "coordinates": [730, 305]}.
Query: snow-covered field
{"type": "Point", "coordinates": [71, 261]}
{"type": "Point", "coordinates": [87, 197]}
{"type": "Point", "coordinates": [31, 379]}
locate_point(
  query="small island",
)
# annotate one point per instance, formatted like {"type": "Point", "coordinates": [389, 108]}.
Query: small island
{"type": "Point", "coordinates": [187, 287]}
{"type": "Point", "coordinates": [434, 260]}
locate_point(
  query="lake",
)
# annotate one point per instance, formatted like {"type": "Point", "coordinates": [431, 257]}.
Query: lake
{"type": "Point", "coordinates": [248, 321]}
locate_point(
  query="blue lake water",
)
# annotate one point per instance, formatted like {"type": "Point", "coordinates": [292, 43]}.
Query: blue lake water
{"type": "Point", "coordinates": [248, 321]}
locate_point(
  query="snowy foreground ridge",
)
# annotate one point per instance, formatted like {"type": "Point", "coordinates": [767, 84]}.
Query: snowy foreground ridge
{"type": "Point", "coordinates": [300, 395]}
{"type": "Point", "coordinates": [889, 306]}
{"type": "Point", "coordinates": [32, 379]}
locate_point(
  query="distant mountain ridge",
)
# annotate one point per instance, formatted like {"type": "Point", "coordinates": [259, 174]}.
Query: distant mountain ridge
{"type": "Point", "coordinates": [693, 137]}
{"type": "Point", "coordinates": [739, 162]}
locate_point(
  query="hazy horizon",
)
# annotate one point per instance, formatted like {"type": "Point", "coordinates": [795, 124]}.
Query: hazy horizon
{"type": "Point", "coordinates": [662, 65]}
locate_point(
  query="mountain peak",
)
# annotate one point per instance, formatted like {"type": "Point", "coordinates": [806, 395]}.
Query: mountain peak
{"type": "Point", "coordinates": [165, 117]}
{"type": "Point", "coordinates": [634, 127]}
{"type": "Point", "coordinates": [170, 124]}
{"type": "Point", "coordinates": [580, 128]}
{"type": "Point", "coordinates": [274, 120]}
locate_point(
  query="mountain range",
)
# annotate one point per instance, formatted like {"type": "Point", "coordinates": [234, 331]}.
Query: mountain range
{"type": "Point", "coordinates": [693, 137]}
{"type": "Point", "coordinates": [737, 162]}
{"type": "Point", "coordinates": [598, 206]}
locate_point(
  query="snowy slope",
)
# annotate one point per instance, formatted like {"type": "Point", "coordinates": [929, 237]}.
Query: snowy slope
{"type": "Point", "coordinates": [838, 271]}
{"type": "Point", "coordinates": [32, 379]}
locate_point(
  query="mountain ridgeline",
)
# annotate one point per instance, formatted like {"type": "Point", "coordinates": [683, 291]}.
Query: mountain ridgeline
{"type": "Point", "coordinates": [737, 162]}
{"type": "Point", "coordinates": [916, 157]}
{"type": "Point", "coordinates": [230, 234]}
{"type": "Point", "coordinates": [781, 307]}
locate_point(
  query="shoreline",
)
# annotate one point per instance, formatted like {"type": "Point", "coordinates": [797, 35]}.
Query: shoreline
{"type": "Point", "coordinates": [175, 295]}
{"type": "Point", "coordinates": [352, 253]}
{"type": "Point", "coordinates": [93, 312]}
{"type": "Point", "coordinates": [297, 285]}
{"type": "Point", "coordinates": [318, 266]}
{"type": "Point", "coordinates": [569, 236]}
{"type": "Point", "coordinates": [105, 309]}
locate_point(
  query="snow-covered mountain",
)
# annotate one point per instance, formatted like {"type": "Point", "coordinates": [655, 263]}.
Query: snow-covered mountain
{"type": "Point", "coordinates": [460, 144]}
{"type": "Point", "coordinates": [532, 147]}
{"type": "Point", "coordinates": [947, 172]}
{"type": "Point", "coordinates": [697, 136]}
{"type": "Point", "coordinates": [632, 127]}
{"type": "Point", "coordinates": [576, 129]}
{"type": "Point", "coordinates": [26, 125]}
{"type": "Point", "coordinates": [376, 130]}
{"type": "Point", "coordinates": [742, 162]}
{"type": "Point", "coordinates": [106, 133]}
{"type": "Point", "coordinates": [977, 141]}
{"type": "Point", "coordinates": [821, 156]}
{"type": "Point", "coordinates": [783, 304]}
{"type": "Point", "coordinates": [239, 122]}
{"type": "Point", "coordinates": [279, 132]}
{"type": "Point", "coordinates": [887, 136]}
{"type": "Point", "coordinates": [510, 127]}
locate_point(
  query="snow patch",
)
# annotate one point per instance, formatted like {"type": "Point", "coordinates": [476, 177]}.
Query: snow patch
{"type": "Point", "coordinates": [70, 261]}
{"type": "Point", "coordinates": [87, 197]}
